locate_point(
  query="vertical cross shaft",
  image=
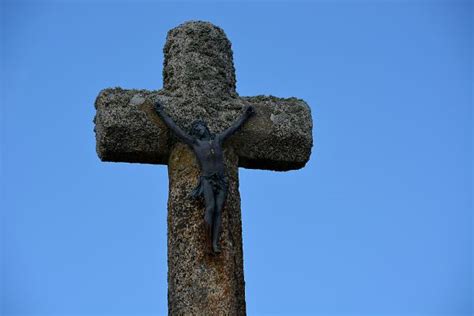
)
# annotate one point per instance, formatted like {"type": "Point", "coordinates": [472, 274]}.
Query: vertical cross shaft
{"type": "Point", "coordinates": [198, 66]}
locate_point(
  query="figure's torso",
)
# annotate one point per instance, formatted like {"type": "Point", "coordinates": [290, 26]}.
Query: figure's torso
{"type": "Point", "coordinates": [210, 156]}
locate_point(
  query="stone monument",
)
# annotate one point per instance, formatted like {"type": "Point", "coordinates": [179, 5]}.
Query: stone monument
{"type": "Point", "coordinates": [199, 83]}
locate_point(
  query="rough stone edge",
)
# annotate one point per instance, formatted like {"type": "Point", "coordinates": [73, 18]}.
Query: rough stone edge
{"type": "Point", "coordinates": [244, 161]}
{"type": "Point", "coordinates": [106, 155]}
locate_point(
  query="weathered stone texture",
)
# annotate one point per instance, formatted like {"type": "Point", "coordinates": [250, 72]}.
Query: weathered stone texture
{"type": "Point", "coordinates": [200, 283]}
{"type": "Point", "coordinates": [125, 132]}
{"type": "Point", "coordinates": [198, 61]}
{"type": "Point", "coordinates": [277, 138]}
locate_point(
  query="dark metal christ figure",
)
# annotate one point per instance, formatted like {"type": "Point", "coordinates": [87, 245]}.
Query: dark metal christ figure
{"type": "Point", "coordinates": [213, 183]}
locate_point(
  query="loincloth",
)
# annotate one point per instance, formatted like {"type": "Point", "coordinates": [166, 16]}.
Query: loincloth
{"type": "Point", "coordinates": [217, 181]}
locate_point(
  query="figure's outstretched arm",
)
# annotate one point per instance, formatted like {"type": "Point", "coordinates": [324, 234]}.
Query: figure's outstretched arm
{"type": "Point", "coordinates": [248, 112]}
{"type": "Point", "coordinates": [172, 125]}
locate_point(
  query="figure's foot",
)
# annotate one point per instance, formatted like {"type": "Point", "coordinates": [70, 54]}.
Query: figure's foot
{"type": "Point", "coordinates": [215, 249]}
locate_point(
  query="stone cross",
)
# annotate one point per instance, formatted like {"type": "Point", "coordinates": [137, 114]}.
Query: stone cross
{"type": "Point", "coordinates": [199, 83]}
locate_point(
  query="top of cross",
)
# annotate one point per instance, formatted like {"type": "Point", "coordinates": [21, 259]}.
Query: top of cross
{"type": "Point", "coordinates": [198, 61]}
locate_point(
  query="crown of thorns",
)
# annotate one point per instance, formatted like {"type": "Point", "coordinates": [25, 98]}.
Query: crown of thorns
{"type": "Point", "coordinates": [195, 125]}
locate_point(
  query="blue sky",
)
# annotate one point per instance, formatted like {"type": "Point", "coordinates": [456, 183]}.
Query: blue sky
{"type": "Point", "coordinates": [378, 223]}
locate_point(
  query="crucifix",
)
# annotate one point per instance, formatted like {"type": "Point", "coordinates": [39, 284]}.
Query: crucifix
{"type": "Point", "coordinates": [199, 101]}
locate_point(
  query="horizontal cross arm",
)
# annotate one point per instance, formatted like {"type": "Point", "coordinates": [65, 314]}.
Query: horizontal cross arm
{"type": "Point", "coordinates": [126, 130]}
{"type": "Point", "coordinates": [278, 137]}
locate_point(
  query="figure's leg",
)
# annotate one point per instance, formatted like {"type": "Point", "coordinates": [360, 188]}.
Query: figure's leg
{"type": "Point", "coordinates": [210, 206]}
{"type": "Point", "coordinates": [217, 227]}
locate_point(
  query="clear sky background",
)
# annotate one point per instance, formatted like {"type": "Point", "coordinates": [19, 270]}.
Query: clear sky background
{"type": "Point", "coordinates": [378, 223]}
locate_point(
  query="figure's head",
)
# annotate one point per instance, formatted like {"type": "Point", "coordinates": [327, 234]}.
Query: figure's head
{"type": "Point", "coordinates": [200, 130]}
